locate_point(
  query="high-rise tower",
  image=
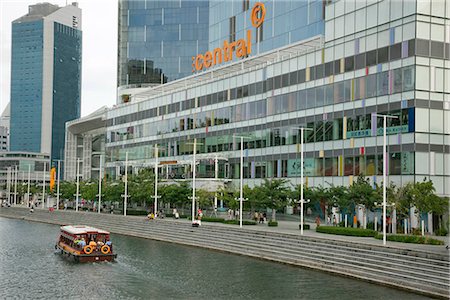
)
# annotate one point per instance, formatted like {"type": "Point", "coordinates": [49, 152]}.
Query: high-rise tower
{"type": "Point", "coordinates": [45, 77]}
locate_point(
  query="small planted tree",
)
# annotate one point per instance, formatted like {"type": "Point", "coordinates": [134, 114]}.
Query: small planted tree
{"type": "Point", "coordinates": [275, 194]}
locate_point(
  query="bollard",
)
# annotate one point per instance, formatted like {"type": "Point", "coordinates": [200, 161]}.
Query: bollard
{"type": "Point", "coordinates": [405, 226]}
{"type": "Point", "coordinates": [423, 227]}
{"type": "Point", "coordinates": [345, 220]}
{"type": "Point", "coordinates": [375, 223]}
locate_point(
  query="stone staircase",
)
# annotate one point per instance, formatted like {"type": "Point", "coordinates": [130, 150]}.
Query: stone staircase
{"type": "Point", "coordinates": [422, 272]}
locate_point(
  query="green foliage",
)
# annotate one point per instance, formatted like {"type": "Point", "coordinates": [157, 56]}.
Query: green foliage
{"type": "Point", "coordinates": [236, 222]}
{"type": "Point", "coordinates": [67, 189]}
{"type": "Point", "coordinates": [361, 192]}
{"type": "Point", "coordinates": [113, 191]}
{"type": "Point", "coordinates": [346, 231]}
{"type": "Point", "coordinates": [205, 198]}
{"type": "Point", "coordinates": [228, 197]}
{"type": "Point", "coordinates": [141, 187]}
{"type": "Point", "coordinates": [89, 190]}
{"type": "Point", "coordinates": [176, 194]}
{"type": "Point", "coordinates": [410, 239]}
{"type": "Point", "coordinates": [207, 219]}
{"type": "Point", "coordinates": [441, 231]}
{"type": "Point", "coordinates": [272, 224]}
{"type": "Point", "coordinates": [274, 194]}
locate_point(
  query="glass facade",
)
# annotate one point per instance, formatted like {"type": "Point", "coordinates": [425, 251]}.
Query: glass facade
{"type": "Point", "coordinates": [66, 83]}
{"type": "Point", "coordinates": [286, 22]}
{"type": "Point", "coordinates": [157, 39]}
{"type": "Point", "coordinates": [376, 58]}
{"type": "Point", "coordinates": [26, 86]}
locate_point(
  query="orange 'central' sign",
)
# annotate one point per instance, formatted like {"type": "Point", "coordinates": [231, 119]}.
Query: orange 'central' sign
{"type": "Point", "coordinates": [241, 47]}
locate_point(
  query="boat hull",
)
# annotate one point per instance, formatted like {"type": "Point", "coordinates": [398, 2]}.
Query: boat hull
{"type": "Point", "coordinates": [79, 257]}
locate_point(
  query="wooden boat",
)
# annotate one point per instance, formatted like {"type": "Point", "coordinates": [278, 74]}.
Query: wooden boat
{"type": "Point", "coordinates": [85, 244]}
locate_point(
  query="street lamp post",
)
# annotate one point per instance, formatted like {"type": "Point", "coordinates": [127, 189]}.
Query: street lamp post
{"type": "Point", "coordinates": [43, 185]}
{"type": "Point", "coordinates": [8, 184]}
{"type": "Point", "coordinates": [16, 173]}
{"type": "Point", "coordinates": [125, 196]}
{"type": "Point", "coordinates": [100, 185]}
{"type": "Point", "coordinates": [384, 171]}
{"type": "Point", "coordinates": [194, 164]}
{"type": "Point", "coordinates": [302, 201]}
{"type": "Point", "coordinates": [28, 188]}
{"type": "Point", "coordinates": [57, 185]}
{"type": "Point", "coordinates": [241, 181]}
{"type": "Point", "coordinates": [78, 184]}
{"type": "Point", "coordinates": [156, 180]}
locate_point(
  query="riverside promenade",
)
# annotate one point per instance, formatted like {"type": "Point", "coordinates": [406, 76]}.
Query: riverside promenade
{"type": "Point", "coordinates": [422, 269]}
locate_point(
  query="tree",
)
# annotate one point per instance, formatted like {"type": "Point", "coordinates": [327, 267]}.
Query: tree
{"type": "Point", "coordinates": [425, 200]}
{"type": "Point", "coordinates": [176, 193]}
{"type": "Point", "coordinates": [362, 193]}
{"type": "Point", "coordinates": [89, 190]}
{"type": "Point", "coordinates": [275, 194]}
{"type": "Point", "coordinates": [228, 197]}
{"type": "Point", "coordinates": [141, 187]}
{"type": "Point", "coordinates": [205, 198]}
{"type": "Point", "coordinates": [340, 196]}
{"type": "Point", "coordinates": [67, 189]}
{"type": "Point", "coordinates": [113, 191]}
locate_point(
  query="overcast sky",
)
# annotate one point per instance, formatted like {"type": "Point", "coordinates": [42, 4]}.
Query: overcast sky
{"type": "Point", "coordinates": [99, 57]}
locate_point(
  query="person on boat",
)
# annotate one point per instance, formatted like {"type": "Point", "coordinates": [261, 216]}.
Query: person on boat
{"type": "Point", "coordinates": [82, 243]}
{"type": "Point", "coordinates": [108, 243]}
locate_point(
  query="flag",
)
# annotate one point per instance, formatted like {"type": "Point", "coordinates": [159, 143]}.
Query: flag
{"type": "Point", "coordinates": [52, 178]}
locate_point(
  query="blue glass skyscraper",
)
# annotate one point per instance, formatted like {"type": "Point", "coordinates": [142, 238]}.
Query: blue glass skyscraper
{"type": "Point", "coordinates": [157, 39]}
{"type": "Point", "coordinates": [45, 77]}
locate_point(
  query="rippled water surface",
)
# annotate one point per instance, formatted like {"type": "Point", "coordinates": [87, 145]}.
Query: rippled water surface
{"type": "Point", "coordinates": [145, 269]}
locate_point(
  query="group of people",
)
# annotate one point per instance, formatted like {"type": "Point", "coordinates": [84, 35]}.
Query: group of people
{"type": "Point", "coordinates": [151, 215]}
{"type": "Point", "coordinates": [81, 242]}
{"type": "Point", "coordinates": [260, 217]}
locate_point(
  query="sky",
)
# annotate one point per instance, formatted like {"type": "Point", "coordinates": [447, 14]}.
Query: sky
{"type": "Point", "coordinates": [99, 54]}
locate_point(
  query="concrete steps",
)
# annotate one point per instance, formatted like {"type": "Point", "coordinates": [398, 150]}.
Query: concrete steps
{"type": "Point", "coordinates": [419, 271]}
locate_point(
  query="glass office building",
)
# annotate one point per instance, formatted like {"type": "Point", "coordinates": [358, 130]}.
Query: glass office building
{"type": "Point", "coordinates": [157, 40]}
{"type": "Point", "coordinates": [286, 22]}
{"type": "Point", "coordinates": [45, 78]}
{"type": "Point", "coordinates": [383, 57]}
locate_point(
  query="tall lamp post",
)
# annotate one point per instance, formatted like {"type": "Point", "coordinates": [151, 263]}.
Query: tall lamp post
{"type": "Point", "coordinates": [28, 188]}
{"type": "Point", "coordinates": [156, 180]}
{"type": "Point", "coordinates": [125, 196]}
{"type": "Point", "coordinates": [194, 165]}
{"type": "Point", "coordinates": [77, 195]}
{"type": "Point", "coordinates": [302, 201]}
{"type": "Point", "coordinates": [43, 185]}
{"type": "Point", "coordinates": [384, 168]}
{"type": "Point", "coordinates": [100, 185]}
{"type": "Point", "coordinates": [57, 184]}
{"type": "Point", "coordinates": [16, 173]}
{"type": "Point", "coordinates": [241, 181]}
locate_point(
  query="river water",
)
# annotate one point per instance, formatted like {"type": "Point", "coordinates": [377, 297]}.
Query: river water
{"type": "Point", "coordinates": [146, 269]}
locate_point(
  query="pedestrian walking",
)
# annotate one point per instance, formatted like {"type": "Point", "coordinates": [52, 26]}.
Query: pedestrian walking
{"type": "Point", "coordinates": [317, 221]}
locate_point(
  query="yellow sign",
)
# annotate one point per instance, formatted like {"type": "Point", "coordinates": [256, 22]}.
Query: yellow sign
{"type": "Point", "coordinates": [241, 47]}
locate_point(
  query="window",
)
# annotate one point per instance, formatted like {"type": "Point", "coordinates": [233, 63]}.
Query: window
{"type": "Point", "coordinates": [371, 58]}
{"type": "Point", "coordinates": [360, 61]}
{"type": "Point", "coordinates": [437, 49]}
{"type": "Point", "coordinates": [383, 55]}
{"type": "Point", "coordinates": [395, 52]}
{"type": "Point", "coordinates": [422, 47]}
{"type": "Point", "coordinates": [349, 63]}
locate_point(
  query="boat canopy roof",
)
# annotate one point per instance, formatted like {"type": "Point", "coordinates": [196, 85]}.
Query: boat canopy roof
{"type": "Point", "coordinates": [82, 229]}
